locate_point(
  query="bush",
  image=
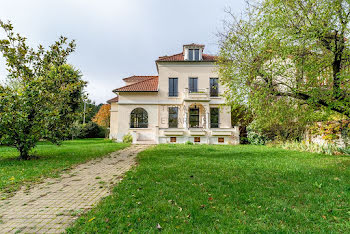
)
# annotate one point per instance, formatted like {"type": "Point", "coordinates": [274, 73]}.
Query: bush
{"type": "Point", "coordinates": [254, 137]}
{"type": "Point", "coordinates": [89, 130]}
{"type": "Point", "coordinates": [127, 138]}
{"type": "Point", "coordinates": [188, 143]}
{"type": "Point", "coordinates": [92, 130]}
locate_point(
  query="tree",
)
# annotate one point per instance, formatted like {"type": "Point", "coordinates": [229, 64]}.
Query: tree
{"type": "Point", "coordinates": [288, 58]}
{"type": "Point", "coordinates": [42, 93]}
{"type": "Point", "coordinates": [103, 116]}
{"type": "Point", "coordinates": [91, 110]}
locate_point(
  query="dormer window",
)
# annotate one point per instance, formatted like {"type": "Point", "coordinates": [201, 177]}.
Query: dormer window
{"type": "Point", "coordinates": [193, 54]}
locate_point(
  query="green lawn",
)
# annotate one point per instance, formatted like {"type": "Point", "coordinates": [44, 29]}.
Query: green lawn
{"type": "Point", "coordinates": [201, 189]}
{"type": "Point", "coordinates": [51, 160]}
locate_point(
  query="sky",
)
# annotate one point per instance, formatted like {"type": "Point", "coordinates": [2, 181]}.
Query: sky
{"type": "Point", "coordinates": [118, 38]}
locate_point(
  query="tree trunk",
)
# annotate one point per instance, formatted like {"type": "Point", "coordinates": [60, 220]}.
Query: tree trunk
{"type": "Point", "coordinates": [23, 154]}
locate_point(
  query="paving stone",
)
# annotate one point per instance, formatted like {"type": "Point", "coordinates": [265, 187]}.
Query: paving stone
{"type": "Point", "coordinates": [49, 207]}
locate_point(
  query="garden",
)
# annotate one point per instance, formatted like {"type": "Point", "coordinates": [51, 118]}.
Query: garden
{"type": "Point", "coordinates": [246, 188]}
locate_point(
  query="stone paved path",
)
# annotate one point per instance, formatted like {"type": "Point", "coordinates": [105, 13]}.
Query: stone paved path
{"type": "Point", "coordinates": [52, 206]}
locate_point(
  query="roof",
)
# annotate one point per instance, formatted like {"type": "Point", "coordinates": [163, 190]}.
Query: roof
{"type": "Point", "coordinates": [146, 85]}
{"type": "Point", "coordinates": [180, 57]}
{"type": "Point", "coordinates": [115, 99]}
{"type": "Point", "coordinates": [195, 45]}
{"type": "Point", "coordinates": [137, 78]}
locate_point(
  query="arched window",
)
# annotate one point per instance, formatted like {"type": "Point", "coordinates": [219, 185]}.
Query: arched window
{"type": "Point", "coordinates": [139, 118]}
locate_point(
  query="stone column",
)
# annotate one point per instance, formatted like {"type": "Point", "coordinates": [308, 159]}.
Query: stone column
{"type": "Point", "coordinates": [185, 117]}
{"type": "Point", "coordinates": [207, 123]}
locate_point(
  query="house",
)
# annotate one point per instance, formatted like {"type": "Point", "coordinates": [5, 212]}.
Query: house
{"type": "Point", "coordinates": [182, 103]}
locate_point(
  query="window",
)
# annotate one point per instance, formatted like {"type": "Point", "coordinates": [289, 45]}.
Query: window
{"type": "Point", "coordinates": [173, 139]}
{"type": "Point", "coordinates": [173, 87]}
{"type": "Point", "coordinates": [193, 85]}
{"type": "Point", "coordinates": [214, 117]}
{"type": "Point", "coordinates": [193, 54]}
{"type": "Point", "coordinates": [214, 87]}
{"type": "Point", "coordinates": [197, 139]}
{"type": "Point", "coordinates": [194, 118]}
{"type": "Point", "coordinates": [139, 118]}
{"type": "Point", "coordinates": [221, 140]}
{"type": "Point", "coordinates": [173, 113]}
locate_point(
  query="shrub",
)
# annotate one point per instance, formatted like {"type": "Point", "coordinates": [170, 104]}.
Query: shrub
{"type": "Point", "coordinates": [92, 130]}
{"type": "Point", "coordinates": [89, 130]}
{"type": "Point", "coordinates": [243, 140]}
{"type": "Point", "coordinates": [254, 137]}
{"type": "Point", "coordinates": [188, 143]}
{"type": "Point", "coordinates": [127, 138]}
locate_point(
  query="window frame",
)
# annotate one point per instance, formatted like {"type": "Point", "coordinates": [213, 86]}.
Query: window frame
{"type": "Point", "coordinates": [216, 124]}
{"type": "Point", "coordinates": [221, 139]}
{"type": "Point", "coordinates": [196, 55]}
{"type": "Point", "coordinates": [191, 84]}
{"type": "Point", "coordinates": [214, 92]}
{"type": "Point", "coordinates": [194, 115]}
{"type": "Point", "coordinates": [190, 54]}
{"type": "Point", "coordinates": [175, 91]}
{"type": "Point", "coordinates": [193, 54]}
{"type": "Point", "coordinates": [136, 115]}
{"type": "Point", "coordinates": [176, 119]}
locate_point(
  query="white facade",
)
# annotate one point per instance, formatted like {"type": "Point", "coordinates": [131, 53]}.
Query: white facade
{"type": "Point", "coordinates": [197, 119]}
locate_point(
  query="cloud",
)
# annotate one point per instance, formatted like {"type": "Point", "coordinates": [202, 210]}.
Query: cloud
{"type": "Point", "coordinates": [117, 38]}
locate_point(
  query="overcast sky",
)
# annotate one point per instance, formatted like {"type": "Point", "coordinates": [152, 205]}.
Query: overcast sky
{"type": "Point", "coordinates": [118, 38]}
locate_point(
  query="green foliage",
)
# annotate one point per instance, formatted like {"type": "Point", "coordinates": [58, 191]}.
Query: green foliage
{"type": "Point", "coordinates": [255, 137]}
{"type": "Point", "coordinates": [226, 189]}
{"type": "Point", "coordinates": [286, 61]}
{"type": "Point", "coordinates": [92, 130]}
{"type": "Point", "coordinates": [127, 138]}
{"type": "Point", "coordinates": [91, 109]}
{"type": "Point", "coordinates": [42, 94]}
{"type": "Point", "coordinates": [89, 130]}
{"type": "Point", "coordinates": [188, 143]}
{"type": "Point", "coordinates": [345, 151]}
{"type": "Point", "coordinates": [303, 146]}
{"type": "Point", "coordinates": [50, 160]}
{"type": "Point", "coordinates": [333, 130]}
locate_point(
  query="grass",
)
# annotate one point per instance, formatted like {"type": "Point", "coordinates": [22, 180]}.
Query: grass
{"type": "Point", "coordinates": [50, 161]}
{"type": "Point", "coordinates": [205, 189]}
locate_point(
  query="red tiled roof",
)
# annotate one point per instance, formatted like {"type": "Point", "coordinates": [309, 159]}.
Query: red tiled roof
{"type": "Point", "coordinates": [180, 57]}
{"type": "Point", "coordinates": [137, 78]}
{"type": "Point", "coordinates": [115, 99]}
{"type": "Point", "coordinates": [148, 85]}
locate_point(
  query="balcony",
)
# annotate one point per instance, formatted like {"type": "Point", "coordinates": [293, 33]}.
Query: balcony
{"type": "Point", "coordinates": [198, 95]}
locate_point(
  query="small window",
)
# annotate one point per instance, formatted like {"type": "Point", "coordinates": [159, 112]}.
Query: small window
{"type": "Point", "coordinates": [190, 54]}
{"type": "Point", "coordinates": [214, 87]}
{"type": "Point", "coordinates": [193, 54]}
{"type": "Point", "coordinates": [173, 139]}
{"type": "Point", "coordinates": [173, 117]}
{"type": "Point", "coordinates": [193, 85]}
{"type": "Point", "coordinates": [196, 54]}
{"type": "Point", "coordinates": [214, 117]}
{"type": "Point", "coordinates": [194, 118]}
{"type": "Point", "coordinates": [221, 140]}
{"type": "Point", "coordinates": [173, 87]}
{"type": "Point", "coordinates": [197, 139]}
